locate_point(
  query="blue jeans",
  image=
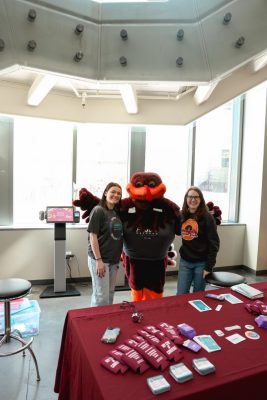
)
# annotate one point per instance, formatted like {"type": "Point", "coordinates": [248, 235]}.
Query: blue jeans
{"type": "Point", "coordinates": [103, 288]}
{"type": "Point", "coordinates": [190, 273]}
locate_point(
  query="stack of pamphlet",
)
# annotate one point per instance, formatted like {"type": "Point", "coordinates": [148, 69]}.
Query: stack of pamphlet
{"type": "Point", "coordinates": [248, 291]}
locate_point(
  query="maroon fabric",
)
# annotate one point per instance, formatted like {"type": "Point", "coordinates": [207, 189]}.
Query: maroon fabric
{"type": "Point", "coordinates": [135, 361]}
{"type": "Point", "coordinates": [149, 274]}
{"type": "Point", "coordinates": [114, 365]}
{"type": "Point", "coordinates": [152, 355]}
{"type": "Point", "coordinates": [171, 332]}
{"type": "Point", "coordinates": [241, 369]}
{"type": "Point", "coordinates": [170, 350]}
{"type": "Point", "coordinates": [117, 355]}
{"type": "Point", "coordinates": [152, 339]}
{"type": "Point", "coordinates": [154, 331]}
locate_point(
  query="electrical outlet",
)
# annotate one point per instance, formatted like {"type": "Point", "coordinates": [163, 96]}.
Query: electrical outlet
{"type": "Point", "coordinates": [69, 255]}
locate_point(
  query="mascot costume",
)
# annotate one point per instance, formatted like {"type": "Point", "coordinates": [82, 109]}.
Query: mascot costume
{"type": "Point", "coordinates": [150, 223]}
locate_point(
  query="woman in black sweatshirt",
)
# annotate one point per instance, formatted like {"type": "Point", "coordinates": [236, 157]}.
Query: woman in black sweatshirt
{"type": "Point", "coordinates": [200, 242]}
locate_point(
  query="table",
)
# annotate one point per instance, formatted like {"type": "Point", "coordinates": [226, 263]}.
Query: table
{"type": "Point", "coordinates": [240, 368]}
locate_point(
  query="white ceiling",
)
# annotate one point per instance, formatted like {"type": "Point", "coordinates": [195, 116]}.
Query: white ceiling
{"type": "Point", "coordinates": [208, 49]}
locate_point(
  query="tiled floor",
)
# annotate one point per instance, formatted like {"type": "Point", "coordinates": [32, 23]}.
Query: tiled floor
{"type": "Point", "coordinates": [17, 374]}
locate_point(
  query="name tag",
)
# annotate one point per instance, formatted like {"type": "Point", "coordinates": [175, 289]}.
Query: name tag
{"type": "Point", "coordinates": [131, 210]}
{"type": "Point", "coordinates": [157, 209]}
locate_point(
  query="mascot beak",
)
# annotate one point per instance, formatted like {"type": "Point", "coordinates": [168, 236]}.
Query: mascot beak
{"type": "Point", "coordinates": [148, 193]}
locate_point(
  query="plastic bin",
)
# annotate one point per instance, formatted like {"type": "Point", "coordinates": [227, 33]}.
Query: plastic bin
{"type": "Point", "coordinates": [25, 320]}
{"type": "Point", "coordinates": [16, 305]}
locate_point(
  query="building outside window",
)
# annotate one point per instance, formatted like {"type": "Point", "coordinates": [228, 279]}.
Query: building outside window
{"type": "Point", "coordinates": [167, 153]}
{"type": "Point", "coordinates": [42, 169]}
{"type": "Point", "coordinates": [53, 160]}
{"type": "Point", "coordinates": [215, 156]}
{"type": "Point", "coordinates": [102, 157]}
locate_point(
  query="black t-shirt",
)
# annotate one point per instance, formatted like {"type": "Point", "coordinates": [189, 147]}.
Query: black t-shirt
{"type": "Point", "coordinates": [108, 227]}
{"type": "Point", "coordinates": [148, 244]}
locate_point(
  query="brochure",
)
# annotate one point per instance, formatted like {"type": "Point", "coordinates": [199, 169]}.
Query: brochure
{"type": "Point", "coordinates": [232, 299]}
{"type": "Point", "coordinates": [207, 343]}
{"type": "Point", "coordinates": [247, 291]}
{"type": "Point", "coordinates": [199, 305]}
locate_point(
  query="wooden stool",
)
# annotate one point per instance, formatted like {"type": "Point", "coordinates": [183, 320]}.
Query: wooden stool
{"type": "Point", "coordinates": [224, 279]}
{"type": "Point", "coordinates": [12, 289]}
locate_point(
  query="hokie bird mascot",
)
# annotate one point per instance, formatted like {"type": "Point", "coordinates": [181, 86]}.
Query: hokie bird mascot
{"type": "Point", "coordinates": [150, 222]}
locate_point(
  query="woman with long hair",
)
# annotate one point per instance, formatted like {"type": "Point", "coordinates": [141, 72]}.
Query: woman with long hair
{"type": "Point", "coordinates": [105, 245]}
{"type": "Point", "coordinates": [200, 242]}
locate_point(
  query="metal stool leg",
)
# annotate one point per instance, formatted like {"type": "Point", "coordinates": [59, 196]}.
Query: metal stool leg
{"type": "Point", "coordinates": [7, 336]}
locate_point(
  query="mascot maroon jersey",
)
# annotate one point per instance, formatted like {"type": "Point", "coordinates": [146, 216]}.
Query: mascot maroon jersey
{"type": "Point", "coordinates": [150, 223]}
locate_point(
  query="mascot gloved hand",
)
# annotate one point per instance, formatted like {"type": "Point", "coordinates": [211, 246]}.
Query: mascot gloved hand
{"type": "Point", "coordinates": [172, 256]}
{"type": "Point", "coordinates": [150, 223]}
{"type": "Point", "coordinates": [215, 211]}
{"type": "Point", "coordinates": [86, 202]}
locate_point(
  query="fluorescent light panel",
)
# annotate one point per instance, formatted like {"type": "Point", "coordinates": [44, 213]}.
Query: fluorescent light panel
{"type": "Point", "coordinates": [40, 89]}
{"type": "Point", "coordinates": [203, 92]}
{"type": "Point", "coordinates": [128, 95]}
{"type": "Point", "coordinates": [259, 63]}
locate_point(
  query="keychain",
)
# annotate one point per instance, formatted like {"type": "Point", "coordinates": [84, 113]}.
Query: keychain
{"type": "Point", "coordinates": [136, 315]}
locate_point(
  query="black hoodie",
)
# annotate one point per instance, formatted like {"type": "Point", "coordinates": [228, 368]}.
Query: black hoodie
{"type": "Point", "coordinates": [200, 240]}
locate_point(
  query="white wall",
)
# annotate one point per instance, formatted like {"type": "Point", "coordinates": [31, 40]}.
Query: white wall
{"type": "Point", "coordinates": [29, 253]}
{"type": "Point", "coordinates": [66, 106]}
{"type": "Point", "coordinates": [253, 183]}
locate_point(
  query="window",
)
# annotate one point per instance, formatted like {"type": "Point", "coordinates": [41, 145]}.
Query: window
{"type": "Point", "coordinates": [216, 162]}
{"type": "Point", "coordinates": [42, 167]}
{"type": "Point", "coordinates": [102, 157]}
{"type": "Point", "coordinates": [167, 153]}
{"type": "Point", "coordinates": [53, 160]}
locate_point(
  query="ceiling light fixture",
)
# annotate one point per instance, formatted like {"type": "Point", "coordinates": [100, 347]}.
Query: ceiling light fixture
{"type": "Point", "coordinates": [179, 62]}
{"type": "Point", "coordinates": [180, 34]}
{"type": "Point", "coordinates": [240, 41]}
{"type": "Point", "coordinates": [124, 34]}
{"type": "Point", "coordinates": [204, 92]}
{"type": "Point", "coordinates": [129, 98]}
{"type": "Point", "coordinates": [84, 97]}
{"type": "Point", "coordinates": [227, 18]}
{"type": "Point", "coordinates": [31, 46]}
{"type": "Point", "coordinates": [40, 88]}
{"type": "Point", "coordinates": [259, 62]}
{"type": "Point", "coordinates": [32, 15]}
{"type": "Point", "coordinates": [2, 44]}
{"type": "Point", "coordinates": [123, 61]}
{"type": "Point", "coordinates": [78, 56]}
{"type": "Point", "coordinates": [79, 29]}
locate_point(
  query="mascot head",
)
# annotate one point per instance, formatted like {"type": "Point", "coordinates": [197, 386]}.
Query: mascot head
{"type": "Point", "coordinates": [146, 186]}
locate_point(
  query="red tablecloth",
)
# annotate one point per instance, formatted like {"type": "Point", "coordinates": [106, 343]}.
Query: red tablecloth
{"type": "Point", "coordinates": [241, 369]}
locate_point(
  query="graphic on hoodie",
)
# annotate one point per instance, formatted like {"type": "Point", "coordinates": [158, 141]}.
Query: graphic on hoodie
{"type": "Point", "coordinates": [189, 229]}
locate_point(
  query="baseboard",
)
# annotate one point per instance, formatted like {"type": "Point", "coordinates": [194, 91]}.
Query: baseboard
{"type": "Point", "coordinates": [244, 267]}
{"type": "Point", "coordinates": [68, 280]}
{"type": "Point", "coordinates": [168, 273]}
{"type": "Point", "coordinates": [172, 273]}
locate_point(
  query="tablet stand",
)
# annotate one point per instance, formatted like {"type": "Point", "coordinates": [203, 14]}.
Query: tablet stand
{"type": "Point", "coordinates": [60, 288]}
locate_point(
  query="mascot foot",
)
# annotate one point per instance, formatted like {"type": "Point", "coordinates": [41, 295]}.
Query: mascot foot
{"type": "Point", "coordinates": [145, 294]}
